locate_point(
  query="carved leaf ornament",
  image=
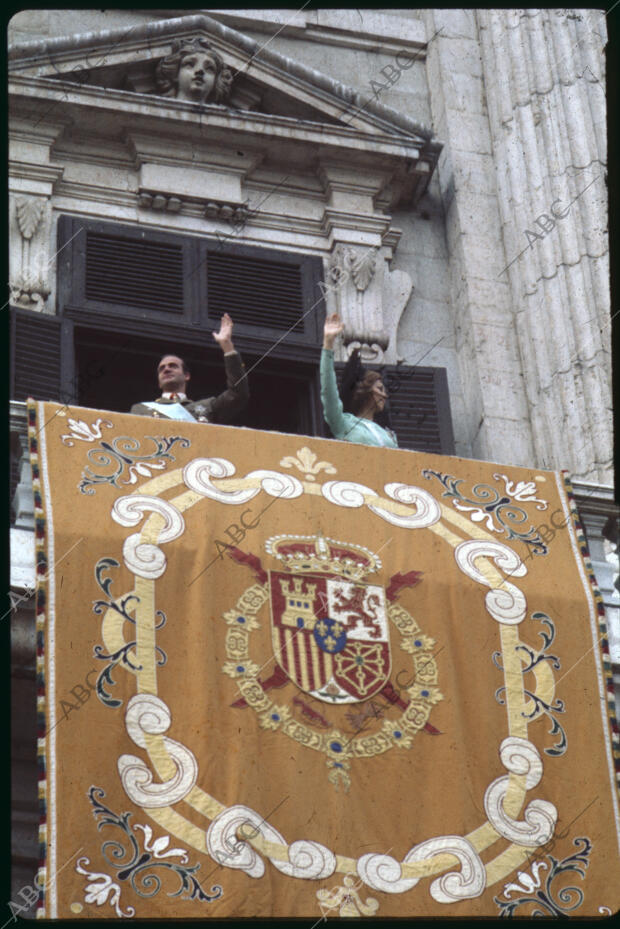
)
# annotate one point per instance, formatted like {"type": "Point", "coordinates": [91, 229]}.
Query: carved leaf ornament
{"type": "Point", "coordinates": [29, 212]}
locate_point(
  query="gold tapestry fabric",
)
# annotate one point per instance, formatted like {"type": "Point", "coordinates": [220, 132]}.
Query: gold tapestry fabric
{"type": "Point", "coordinates": [283, 676]}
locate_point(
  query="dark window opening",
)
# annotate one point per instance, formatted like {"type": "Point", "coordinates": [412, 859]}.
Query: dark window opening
{"type": "Point", "coordinates": [128, 295]}
{"type": "Point", "coordinates": [115, 371]}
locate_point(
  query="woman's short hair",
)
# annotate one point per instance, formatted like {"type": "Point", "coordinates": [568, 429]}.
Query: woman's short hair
{"type": "Point", "coordinates": [362, 392]}
{"type": "Point", "coordinates": [167, 71]}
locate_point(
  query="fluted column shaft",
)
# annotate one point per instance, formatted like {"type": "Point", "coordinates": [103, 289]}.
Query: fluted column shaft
{"type": "Point", "coordinates": [544, 85]}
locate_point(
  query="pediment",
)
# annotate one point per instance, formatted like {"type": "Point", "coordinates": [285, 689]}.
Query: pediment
{"type": "Point", "coordinates": [260, 81]}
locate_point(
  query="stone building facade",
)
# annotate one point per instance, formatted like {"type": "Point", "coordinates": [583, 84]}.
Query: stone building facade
{"type": "Point", "coordinates": [445, 168]}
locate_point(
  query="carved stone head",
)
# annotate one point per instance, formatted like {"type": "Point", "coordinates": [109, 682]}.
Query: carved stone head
{"type": "Point", "coordinates": [194, 71]}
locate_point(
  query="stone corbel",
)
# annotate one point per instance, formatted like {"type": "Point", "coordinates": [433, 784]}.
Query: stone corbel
{"type": "Point", "coordinates": [369, 298]}
{"type": "Point", "coordinates": [229, 212]}
{"type": "Point", "coordinates": [30, 219]}
{"type": "Point", "coordinates": [160, 202]}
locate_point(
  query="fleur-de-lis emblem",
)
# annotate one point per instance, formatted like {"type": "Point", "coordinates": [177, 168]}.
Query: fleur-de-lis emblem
{"type": "Point", "coordinates": [523, 491]}
{"type": "Point", "coordinates": [83, 432]}
{"type": "Point", "coordinates": [100, 888]}
{"type": "Point", "coordinates": [158, 846]}
{"type": "Point", "coordinates": [526, 883]}
{"type": "Point", "coordinates": [348, 899]}
{"type": "Point", "coordinates": [143, 470]}
{"type": "Point", "coordinates": [307, 462]}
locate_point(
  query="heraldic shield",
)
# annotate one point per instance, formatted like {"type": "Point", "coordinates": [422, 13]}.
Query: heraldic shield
{"type": "Point", "coordinates": [330, 631]}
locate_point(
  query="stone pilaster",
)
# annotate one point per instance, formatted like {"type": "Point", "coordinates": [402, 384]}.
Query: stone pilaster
{"type": "Point", "coordinates": [488, 355]}
{"type": "Point", "coordinates": [29, 281]}
{"type": "Point", "coordinates": [32, 179]}
{"type": "Point", "coordinates": [544, 81]}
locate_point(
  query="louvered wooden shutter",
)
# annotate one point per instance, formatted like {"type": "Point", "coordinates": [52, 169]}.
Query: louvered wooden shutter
{"type": "Point", "coordinates": [110, 272]}
{"type": "Point", "coordinates": [419, 407]}
{"type": "Point", "coordinates": [261, 291]}
{"type": "Point", "coordinates": [269, 293]}
{"type": "Point", "coordinates": [36, 356]}
{"type": "Point", "coordinates": [127, 271]}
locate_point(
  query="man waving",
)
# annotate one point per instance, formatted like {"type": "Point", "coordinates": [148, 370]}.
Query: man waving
{"type": "Point", "coordinates": [173, 376]}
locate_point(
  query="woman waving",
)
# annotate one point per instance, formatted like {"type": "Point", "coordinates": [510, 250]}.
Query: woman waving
{"type": "Point", "coordinates": [350, 415]}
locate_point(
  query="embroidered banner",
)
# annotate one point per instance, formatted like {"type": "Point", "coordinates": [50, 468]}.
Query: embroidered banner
{"type": "Point", "coordinates": [289, 677]}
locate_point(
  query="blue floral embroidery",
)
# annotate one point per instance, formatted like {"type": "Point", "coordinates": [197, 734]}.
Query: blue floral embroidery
{"type": "Point", "coordinates": [540, 707]}
{"type": "Point", "coordinates": [487, 504]}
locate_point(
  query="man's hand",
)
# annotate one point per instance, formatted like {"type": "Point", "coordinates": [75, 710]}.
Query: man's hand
{"type": "Point", "coordinates": [224, 336]}
{"type": "Point", "coordinates": [332, 328]}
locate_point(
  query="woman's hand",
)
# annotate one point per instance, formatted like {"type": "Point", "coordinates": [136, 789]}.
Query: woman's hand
{"type": "Point", "coordinates": [332, 328]}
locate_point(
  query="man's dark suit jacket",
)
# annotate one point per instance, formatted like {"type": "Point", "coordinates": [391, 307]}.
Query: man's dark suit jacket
{"type": "Point", "coordinates": [220, 409]}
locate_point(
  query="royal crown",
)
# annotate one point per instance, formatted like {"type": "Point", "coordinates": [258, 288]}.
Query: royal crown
{"type": "Point", "coordinates": [300, 553]}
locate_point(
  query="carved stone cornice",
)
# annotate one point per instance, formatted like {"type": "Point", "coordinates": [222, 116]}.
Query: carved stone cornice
{"type": "Point", "coordinates": [27, 124]}
{"type": "Point", "coordinates": [80, 78]}
{"type": "Point", "coordinates": [149, 111]}
{"type": "Point", "coordinates": [33, 178]}
{"type": "Point", "coordinates": [331, 27]}
{"type": "Point", "coordinates": [595, 500]}
{"type": "Point", "coordinates": [30, 143]}
{"type": "Point", "coordinates": [391, 239]}
{"type": "Point", "coordinates": [159, 202]}
{"type": "Point", "coordinates": [356, 228]}
{"type": "Point", "coordinates": [160, 148]}
{"type": "Point", "coordinates": [351, 181]}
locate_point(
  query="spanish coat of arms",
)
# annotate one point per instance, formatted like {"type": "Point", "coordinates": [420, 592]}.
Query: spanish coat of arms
{"type": "Point", "coordinates": [330, 631]}
{"type": "Point", "coordinates": [330, 637]}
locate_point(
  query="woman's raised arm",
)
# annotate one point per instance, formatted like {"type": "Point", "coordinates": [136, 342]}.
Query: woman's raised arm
{"type": "Point", "coordinates": [332, 404]}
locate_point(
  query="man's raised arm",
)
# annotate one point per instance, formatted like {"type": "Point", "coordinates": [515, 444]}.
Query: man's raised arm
{"type": "Point", "coordinates": [237, 393]}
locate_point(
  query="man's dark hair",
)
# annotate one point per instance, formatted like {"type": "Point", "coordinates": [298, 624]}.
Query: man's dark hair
{"type": "Point", "coordinates": [172, 355]}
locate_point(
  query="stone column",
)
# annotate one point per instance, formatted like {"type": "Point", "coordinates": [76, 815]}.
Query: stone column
{"type": "Point", "coordinates": [497, 420]}
{"type": "Point", "coordinates": [544, 83]}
